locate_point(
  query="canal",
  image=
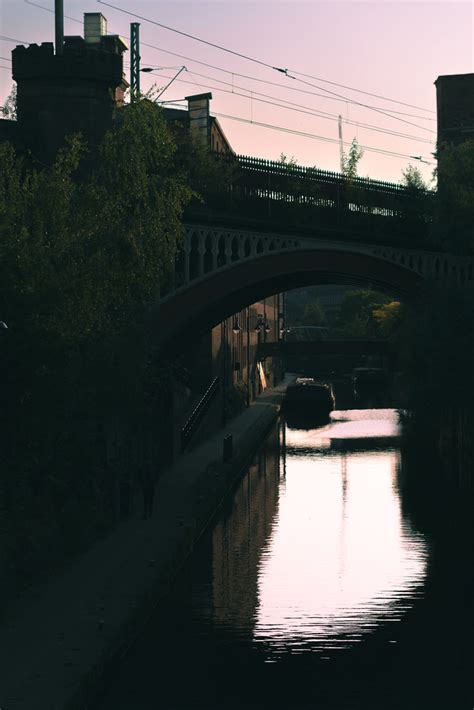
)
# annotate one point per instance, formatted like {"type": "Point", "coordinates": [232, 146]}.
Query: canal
{"type": "Point", "coordinates": [327, 580]}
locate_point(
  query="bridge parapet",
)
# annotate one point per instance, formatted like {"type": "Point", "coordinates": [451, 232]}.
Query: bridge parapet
{"type": "Point", "coordinates": [275, 196]}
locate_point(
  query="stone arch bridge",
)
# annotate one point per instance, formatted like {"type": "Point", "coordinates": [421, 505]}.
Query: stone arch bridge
{"type": "Point", "coordinates": [222, 270]}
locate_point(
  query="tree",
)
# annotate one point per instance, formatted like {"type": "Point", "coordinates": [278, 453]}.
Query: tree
{"type": "Point", "coordinates": [412, 179]}
{"type": "Point", "coordinates": [304, 308]}
{"type": "Point", "coordinates": [313, 314]}
{"type": "Point", "coordinates": [85, 245]}
{"type": "Point", "coordinates": [8, 110]}
{"type": "Point", "coordinates": [388, 318]}
{"type": "Point", "coordinates": [350, 160]}
{"type": "Point", "coordinates": [355, 318]}
{"type": "Point", "coordinates": [416, 201]}
{"type": "Point", "coordinates": [289, 162]}
{"type": "Point", "coordinates": [98, 232]}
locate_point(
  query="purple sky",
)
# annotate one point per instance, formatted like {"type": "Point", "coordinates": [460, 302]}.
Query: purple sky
{"type": "Point", "coordinates": [393, 49]}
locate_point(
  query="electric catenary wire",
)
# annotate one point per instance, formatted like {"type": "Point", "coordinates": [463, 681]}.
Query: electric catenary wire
{"type": "Point", "coordinates": [360, 91]}
{"type": "Point", "coordinates": [359, 103]}
{"type": "Point", "coordinates": [222, 48]}
{"type": "Point", "coordinates": [291, 106]}
{"type": "Point", "coordinates": [276, 101]}
{"type": "Point", "coordinates": [190, 36]}
{"type": "Point", "coordinates": [304, 134]}
{"type": "Point", "coordinates": [266, 81]}
{"type": "Point", "coordinates": [316, 137]}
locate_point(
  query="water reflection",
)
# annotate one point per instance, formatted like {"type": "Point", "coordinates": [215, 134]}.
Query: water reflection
{"type": "Point", "coordinates": [340, 559]}
{"type": "Point", "coordinates": [315, 552]}
{"type": "Point", "coordinates": [309, 591]}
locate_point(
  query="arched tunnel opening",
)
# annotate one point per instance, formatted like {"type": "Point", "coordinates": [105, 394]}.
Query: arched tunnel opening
{"type": "Point", "coordinates": [218, 329]}
{"type": "Point", "coordinates": [202, 305]}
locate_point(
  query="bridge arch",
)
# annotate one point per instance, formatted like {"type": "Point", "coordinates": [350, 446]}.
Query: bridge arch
{"type": "Point", "coordinates": [201, 304]}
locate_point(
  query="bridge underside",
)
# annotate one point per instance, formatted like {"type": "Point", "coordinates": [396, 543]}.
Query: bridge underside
{"type": "Point", "coordinates": [206, 302]}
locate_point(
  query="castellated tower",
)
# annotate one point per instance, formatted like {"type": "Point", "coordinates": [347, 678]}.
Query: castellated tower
{"type": "Point", "coordinates": [76, 90]}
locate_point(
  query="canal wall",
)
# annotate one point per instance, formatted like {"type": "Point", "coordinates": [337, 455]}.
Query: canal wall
{"type": "Point", "coordinates": [445, 439]}
{"type": "Point", "coordinates": [60, 642]}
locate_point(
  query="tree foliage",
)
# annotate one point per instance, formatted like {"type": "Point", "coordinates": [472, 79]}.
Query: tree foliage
{"type": "Point", "coordinates": [351, 159]}
{"type": "Point", "coordinates": [388, 318]}
{"type": "Point", "coordinates": [85, 246]}
{"type": "Point", "coordinates": [8, 110]}
{"type": "Point", "coordinates": [355, 318]}
{"type": "Point", "coordinates": [288, 162]}
{"type": "Point", "coordinates": [412, 179]}
{"type": "Point", "coordinates": [455, 197]}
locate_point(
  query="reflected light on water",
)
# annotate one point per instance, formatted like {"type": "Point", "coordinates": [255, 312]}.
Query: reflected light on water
{"type": "Point", "coordinates": [341, 559]}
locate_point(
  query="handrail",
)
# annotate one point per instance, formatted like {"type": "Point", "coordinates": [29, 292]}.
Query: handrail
{"type": "Point", "coordinates": [302, 171]}
{"type": "Point", "coordinates": [198, 413]}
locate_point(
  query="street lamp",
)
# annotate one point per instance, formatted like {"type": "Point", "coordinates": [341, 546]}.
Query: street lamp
{"type": "Point", "coordinates": [150, 69]}
{"type": "Point", "coordinates": [259, 326]}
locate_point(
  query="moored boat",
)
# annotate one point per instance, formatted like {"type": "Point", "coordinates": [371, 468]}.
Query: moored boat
{"type": "Point", "coordinates": [307, 396]}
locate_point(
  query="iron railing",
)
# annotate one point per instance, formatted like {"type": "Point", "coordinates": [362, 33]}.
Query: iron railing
{"type": "Point", "coordinates": [277, 197]}
{"type": "Point", "coordinates": [198, 413]}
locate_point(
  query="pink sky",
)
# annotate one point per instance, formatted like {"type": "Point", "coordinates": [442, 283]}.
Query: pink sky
{"type": "Point", "coordinates": [395, 50]}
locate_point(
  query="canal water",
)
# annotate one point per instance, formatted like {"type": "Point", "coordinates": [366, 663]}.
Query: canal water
{"type": "Point", "coordinates": [328, 581]}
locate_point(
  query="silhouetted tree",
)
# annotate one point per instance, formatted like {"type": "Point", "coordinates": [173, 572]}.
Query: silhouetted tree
{"type": "Point", "coordinates": [351, 159]}
{"type": "Point", "coordinates": [8, 110]}
{"type": "Point", "coordinates": [85, 245]}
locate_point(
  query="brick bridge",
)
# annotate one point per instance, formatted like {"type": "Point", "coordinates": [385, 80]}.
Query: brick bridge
{"type": "Point", "coordinates": [267, 228]}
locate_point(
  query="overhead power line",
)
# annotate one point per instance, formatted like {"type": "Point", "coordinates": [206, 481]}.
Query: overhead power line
{"type": "Point", "coordinates": [266, 81]}
{"type": "Point", "coordinates": [295, 107]}
{"type": "Point", "coordinates": [359, 103]}
{"type": "Point", "coordinates": [314, 136]}
{"type": "Point", "coordinates": [303, 133]}
{"type": "Point", "coordinates": [218, 46]}
{"type": "Point", "coordinates": [190, 36]}
{"type": "Point", "coordinates": [360, 91]}
{"type": "Point", "coordinates": [13, 40]}
{"type": "Point", "coordinates": [48, 9]}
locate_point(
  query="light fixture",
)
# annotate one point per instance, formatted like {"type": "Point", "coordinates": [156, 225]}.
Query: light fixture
{"type": "Point", "coordinates": [267, 328]}
{"type": "Point", "coordinates": [236, 327]}
{"type": "Point", "coordinates": [259, 325]}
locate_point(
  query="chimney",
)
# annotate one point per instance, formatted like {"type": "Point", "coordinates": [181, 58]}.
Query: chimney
{"type": "Point", "coordinates": [455, 103]}
{"type": "Point", "coordinates": [199, 122]}
{"type": "Point", "coordinates": [455, 108]}
{"type": "Point", "coordinates": [59, 25]}
{"type": "Point", "coordinates": [95, 27]}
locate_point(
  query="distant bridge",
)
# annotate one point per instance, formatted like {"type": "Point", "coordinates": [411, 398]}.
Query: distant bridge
{"type": "Point", "coordinates": [285, 348]}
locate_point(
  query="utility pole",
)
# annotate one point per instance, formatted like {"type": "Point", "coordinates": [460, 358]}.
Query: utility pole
{"type": "Point", "coordinates": [134, 61]}
{"type": "Point", "coordinates": [341, 144]}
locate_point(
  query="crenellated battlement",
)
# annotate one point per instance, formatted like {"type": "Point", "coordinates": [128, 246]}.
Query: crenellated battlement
{"type": "Point", "coordinates": [79, 61]}
{"type": "Point", "coordinates": [76, 90]}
